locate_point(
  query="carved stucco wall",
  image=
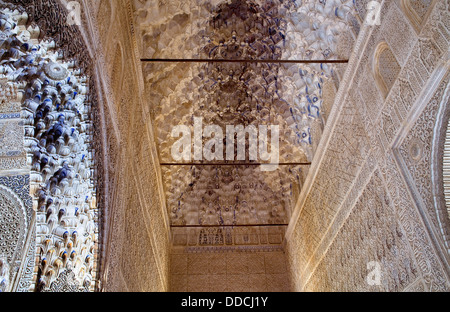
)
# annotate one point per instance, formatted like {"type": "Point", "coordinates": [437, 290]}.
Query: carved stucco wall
{"type": "Point", "coordinates": [374, 192]}
{"type": "Point", "coordinates": [229, 271]}
{"type": "Point", "coordinates": [135, 254]}
{"type": "Point", "coordinates": [133, 247]}
{"type": "Point", "coordinates": [375, 189]}
{"type": "Point", "coordinates": [177, 92]}
{"type": "Point", "coordinates": [16, 211]}
{"type": "Point", "coordinates": [365, 200]}
{"type": "Point", "coordinates": [32, 69]}
{"type": "Point", "coordinates": [48, 113]}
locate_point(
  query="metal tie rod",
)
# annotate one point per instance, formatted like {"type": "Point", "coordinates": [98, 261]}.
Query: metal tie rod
{"type": "Point", "coordinates": [243, 61]}
{"type": "Point", "coordinates": [227, 225]}
{"type": "Point", "coordinates": [234, 164]}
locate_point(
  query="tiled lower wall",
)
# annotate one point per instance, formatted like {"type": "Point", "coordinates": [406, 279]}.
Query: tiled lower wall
{"type": "Point", "coordinates": [230, 271]}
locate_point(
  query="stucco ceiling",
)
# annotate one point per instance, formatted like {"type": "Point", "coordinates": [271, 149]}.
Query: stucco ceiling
{"type": "Point", "coordinates": [287, 95]}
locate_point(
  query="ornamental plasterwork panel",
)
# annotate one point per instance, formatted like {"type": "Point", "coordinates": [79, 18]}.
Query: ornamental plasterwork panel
{"type": "Point", "coordinates": [56, 122]}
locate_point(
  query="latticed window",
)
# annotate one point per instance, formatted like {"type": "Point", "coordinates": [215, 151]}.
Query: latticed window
{"type": "Point", "coordinates": [446, 166]}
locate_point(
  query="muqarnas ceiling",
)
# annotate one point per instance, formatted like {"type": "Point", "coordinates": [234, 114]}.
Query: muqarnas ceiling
{"type": "Point", "coordinates": [239, 93]}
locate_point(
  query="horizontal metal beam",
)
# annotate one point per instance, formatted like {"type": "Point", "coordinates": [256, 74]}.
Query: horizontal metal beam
{"type": "Point", "coordinates": [234, 164]}
{"type": "Point", "coordinates": [228, 225]}
{"type": "Point", "coordinates": [147, 60]}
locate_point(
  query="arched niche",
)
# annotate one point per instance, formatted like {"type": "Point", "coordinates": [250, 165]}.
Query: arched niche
{"type": "Point", "coordinates": [440, 168]}
{"type": "Point", "coordinates": [13, 232]}
{"type": "Point", "coordinates": [385, 68]}
{"type": "Point", "coordinates": [417, 11]}
{"type": "Point", "coordinates": [446, 168]}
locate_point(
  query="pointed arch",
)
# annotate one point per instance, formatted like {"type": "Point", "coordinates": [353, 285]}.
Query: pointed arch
{"type": "Point", "coordinates": [385, 68]}
{"type": "Point", "coordinates": [417, 11]}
